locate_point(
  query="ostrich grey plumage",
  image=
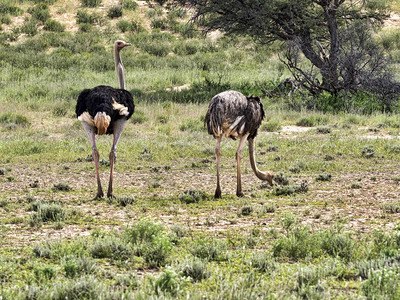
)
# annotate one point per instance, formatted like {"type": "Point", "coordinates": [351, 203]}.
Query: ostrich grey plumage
{"type": "Point", "coordinates": [231, 114]}
{"type": "Point", "coordinates": [105, 110]}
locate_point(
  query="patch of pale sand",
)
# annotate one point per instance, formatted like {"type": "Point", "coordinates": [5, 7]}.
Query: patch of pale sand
{"type": "Point", "coordinates": [393, 20]}
{"type": "Point", "coordinates": [295, 129]}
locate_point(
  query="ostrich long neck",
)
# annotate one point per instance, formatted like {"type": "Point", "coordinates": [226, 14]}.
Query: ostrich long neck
{"type": "Point", "coordinates": [119, 67]}
{"type": "Point", "coordinates": [261, 175]}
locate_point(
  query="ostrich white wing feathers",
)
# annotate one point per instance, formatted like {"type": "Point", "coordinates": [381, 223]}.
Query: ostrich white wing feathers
{"type": "Point", "coordinates": [123, 110]}
{"type": "Point", "coordinates": [87, 118]}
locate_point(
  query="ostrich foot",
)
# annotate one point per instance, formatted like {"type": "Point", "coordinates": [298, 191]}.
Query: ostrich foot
{"type": "Point", "coordinates": [239, 194]}
{"type": "Point", "coordinates": [99, 195]}
{"type": "Point", "coordinates": [111, 195]}
{"type": "Point", "coordinates": [217, 194]}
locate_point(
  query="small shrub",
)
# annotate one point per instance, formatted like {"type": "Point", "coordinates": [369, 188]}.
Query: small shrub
{"type": "Point", "coordinates": [246, 210]}
{"type": "Point", "coordinates": [313, 120]}
{"type": "Point", "coordinates": [130, 5]}
{"type": "Point", "coordinates": [7, 8]}
{"type": "Point", "coordinates": [14, 118]}
{"type": "Point", "coordinates": [281, 179]}
{"type": "Point", "coordinates": [85, 27]}
{"type": "Point", "coordinates": [192, 196]}
{"type": "Point", "coordinates": [60, 110]}
{"type": "Point", "coordinates": [168, 282]}
{"type": "Point", "coordinates": [391, 207]}
{"type": "Point", "coordinates": [214, 250]}
{"type": "Point", "coordinates": [139, 117]}
{"type": "Point", "coordinates": [83, 17]}
{"type": "Point", "coordinates": [163, 119]}
{"type": "Point", "coordinates": [178, 232]}
{"type": "Point", "coordinates": [53, 25]}
{"type": "Point", "coordinates": [263, 263]}
{"type": "Point", "coordinates": [44, 273]}
{"type": "Point", "coordinates": [299, 244]}
{"type": "Point", "coordinates": [62, 186]}
{"type": "Point", "coordinates": [323, 129]}
{"type": "Point", "coordinates": [159, 23]}
{"type": "Point", "coordinates": [194, 268]}
{"type": "Point", "coordinates": [150, 241]}
{"type": "Point", "coordinates": [114, 12]}
{"type": "Point", "coordinates": [298, 166]}
{"type": "Point", "coordinates": [271, 126]}
{"type": "Point", "coordinates": [368, 152]}
{"type": "Point", "coordinates": [46, 212]}
{"type": "Point", "coordinates": [382, 284]}
{"type": "Point", "coordinates": [191, 125]}
{"type": "Point", "coordinates": [30, 27]}
{"type": "Point", "coordinates": [40, 12]}
{"type": "Point", "coordinates": [324, 177]}
{"type": "Point", "coordinates": [124, 25]}
{"type": "Point", "coordinates": [111, 247]}
{"type": "Point", "coordinates": [291, 189]}
{"type": "Point", "coordinates": [356, 186]}
{"type": "Point", "coordinates": [156, 253]}
{"type": "Point", "coordinates": [91, 3]}
{"type": "Point", "coordinates": [5, 19]}
{"type": "Point", "coordinates": [125, 200]}
{"type": "Point", "coordinates": [393, 148]}
{"type": "Point", "coordinates": [76, 266]}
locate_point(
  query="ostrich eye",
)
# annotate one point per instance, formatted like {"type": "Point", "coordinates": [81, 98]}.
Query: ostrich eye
{"type": "Point", "coordinates": [119, 43]}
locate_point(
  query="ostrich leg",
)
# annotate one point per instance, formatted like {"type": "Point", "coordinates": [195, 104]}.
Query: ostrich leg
{"type": "Point", "coordinates": [90, 130]}
{"type": "Point", "coordinates": [118, 128]}
{"type": "Point", "coordinates": [218, 156]}
{"type": "Point", "coordinates": [239, 156]}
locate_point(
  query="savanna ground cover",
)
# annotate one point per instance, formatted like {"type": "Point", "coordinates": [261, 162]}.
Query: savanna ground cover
{"type": "Point", "coordinates": [328, 229]}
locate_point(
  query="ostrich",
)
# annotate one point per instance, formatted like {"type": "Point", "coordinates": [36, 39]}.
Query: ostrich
{"type": "Point", "coordinates": [234, 115]}
{"type": "Point", "coordinates": [105, 110]}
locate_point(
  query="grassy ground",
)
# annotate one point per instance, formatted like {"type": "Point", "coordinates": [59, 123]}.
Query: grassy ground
{"type": "Point", "coordinates": [327, 230]}
{"type": "Point", "coordinates": [330, 232]}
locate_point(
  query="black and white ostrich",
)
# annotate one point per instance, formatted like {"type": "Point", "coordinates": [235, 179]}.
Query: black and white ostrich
{"type": "Point", "coordinates": [105, 110]}
{"type": "Point", "coordinates": [234, 115]}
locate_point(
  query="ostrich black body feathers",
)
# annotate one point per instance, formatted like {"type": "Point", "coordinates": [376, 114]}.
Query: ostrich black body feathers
{"type": "Point", "coordinates": [101, 99]}
{"type": "Point", "coordinates": [233, 114]}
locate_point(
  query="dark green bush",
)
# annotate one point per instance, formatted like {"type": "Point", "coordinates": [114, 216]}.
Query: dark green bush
{"type": "Point", "coordinates": [84, 17]}
{"type": "Point", "coordinates": [159, 23]}
{"type": "Point", "coordinates": [192, 196]}
{"type": "Point", "coordinates": [7, 8]}
{"type": "Point", "coordinates": [111, 247]}
{"type": "Point", "coordinates": [30, 27]}
{"type": "Point", "coordinates": [194, 268]}
{"type": "Point", "coordinates": [85, 27]}
{"type": "Point", "coordinates": [40, 12]}
{"type": "Point", "coordinates": [17, 119]}
{"type": "Point", "coordinates": [47, 212]}
{"type": "Point", "coordinates": [5, 19]}
{"type": "Point", "coordinates": [150, 241]}
{"type": "Point", "coordinates": [114, 12]}
{"type": "Point", "coordinates": [53, 25]}
{"type": "Point", "coordinates": [124, 25]}
{"type": "Point", "coordinates": [130, 5]}
{"type": "Point", "coordinates": [214, 250]}
{"type": "Point", "coordinates": [91, 3]}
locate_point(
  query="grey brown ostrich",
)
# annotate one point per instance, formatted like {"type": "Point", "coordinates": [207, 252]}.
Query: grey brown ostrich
{"type": "Point", "coordinates": [105, 110]}
{"type": "Point", "coordinates": [231, 114]}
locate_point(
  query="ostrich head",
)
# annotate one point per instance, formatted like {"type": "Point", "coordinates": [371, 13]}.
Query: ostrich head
{"type": "Point", "coordinates": [118, 44]}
